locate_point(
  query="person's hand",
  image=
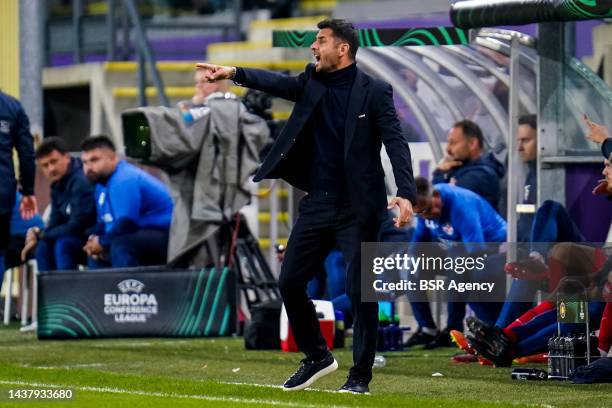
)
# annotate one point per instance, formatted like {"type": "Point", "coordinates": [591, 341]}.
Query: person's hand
{"type": "Point", "coordinates": [30, 242]}
{"type": "Point", "coordinates": [597, 133]}
{"type": "Point", "coordinates": [216, 72]}
{"type": "Point", "coordinates": [406, 212]}
{"type": "Point", "coordinates": [448, 163]}
{"type": "Point", "coordinates": [93, 248]}
{"type": "Point", "coordinates": [28, 207]}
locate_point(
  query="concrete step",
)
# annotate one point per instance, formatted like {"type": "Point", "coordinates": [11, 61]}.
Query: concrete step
{"type": "Point", "coordinates": [254, 52]}
{"type": "Point", "coordinates": [264, 216]}
{"type": "Point", "coordinates": [181, 74]}
{"type": "Point", "coordinates": [282, 230]}
{"type": "Point", "coordinates": [264, 243]}
{"type": "Point", "coordinates": [173, 73]}
{"type": "Point", "coordinates": [263, 193]}
{"type": "Point", "coordinates": [184, 92]}
{"type": "Point", "coordinates": [317, 7]}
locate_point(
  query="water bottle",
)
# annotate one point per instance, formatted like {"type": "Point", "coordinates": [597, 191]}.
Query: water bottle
{"type": "Point", "coordinates": [565, 350]}
{"type": "Point", "coordinates": [193, 114]}
{"type": "Point", "coordinates": [379, 361]}
{"type": "Point", "coordinates": [571, 356]}
{"type": "Point", "coordinates": [551, 356]}
{"type": "Point", "coordinates": [529, 374]}
{"type": "Point", "coordinates": [558, 346]}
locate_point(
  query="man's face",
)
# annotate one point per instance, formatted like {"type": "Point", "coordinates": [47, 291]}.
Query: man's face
{"type": "Point", "coordinates": [527, 141]}
{"type": "Point", "coordinates": [607, 172]}
{"type": "Point", "coordinates": [202, 87]}
{"type": "Point", "coordinates": [459, 146]}
{"type": "Point", "coordinates": [99, 164]}
{"type": "Point", "coordinates": [54, 165]}
{"type": "Point", "coordinates": [328, 51]}
{"type": "Point", "coordinates": [429, 207]}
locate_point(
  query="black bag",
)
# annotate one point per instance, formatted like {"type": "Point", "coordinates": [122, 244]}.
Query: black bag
{"type": "Point", "coordinates": [263, 331]}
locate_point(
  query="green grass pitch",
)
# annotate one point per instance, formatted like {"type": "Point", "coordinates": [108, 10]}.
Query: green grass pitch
{"type": "Point", "coordinates": [178, 373]}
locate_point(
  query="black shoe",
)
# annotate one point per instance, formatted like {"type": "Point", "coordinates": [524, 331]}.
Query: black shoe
{"type": "Point", "coordinates": [355, 385]}
{"type": "Point", "coordinates": [494, 349]}
{"type": "Point", "coordinates": [418, 338]}
{"type": "Point", "coordinates": [486, 333]}
{"type": "Point", "coordinates": [443, 339]}
{"type": "Point", "coordinates": [479, 328]}
{"type": "Point", "coordinates": [309, 372]}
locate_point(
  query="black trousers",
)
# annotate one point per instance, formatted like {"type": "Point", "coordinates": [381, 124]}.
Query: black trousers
{"type": "Point", "coordinates": [5, 231]}
{"type": "Point", "coordinates": [324, 222]}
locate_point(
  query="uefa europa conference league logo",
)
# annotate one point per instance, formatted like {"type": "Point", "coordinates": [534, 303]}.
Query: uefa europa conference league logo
{"type": "Point", "coordinates": [131, 305]}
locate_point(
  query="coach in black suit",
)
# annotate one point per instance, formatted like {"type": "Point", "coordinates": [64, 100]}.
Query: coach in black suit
{"type": "Point", "coordinates": [330, 148]}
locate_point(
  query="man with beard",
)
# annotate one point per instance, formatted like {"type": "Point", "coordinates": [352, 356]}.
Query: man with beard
{"type": "Point", "coordinates": [467, 165]}
{"type": "Point", "coordinates": [134, 210]}
{"type": "Point", "coordinates": [330, 148]}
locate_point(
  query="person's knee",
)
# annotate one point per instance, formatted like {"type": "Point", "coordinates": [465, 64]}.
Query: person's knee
{"type": "Point", "coordinates": [562, 250]}
{"type": "Point", "coordinates": [65, 245]}
{"type": "Point", "coordinates": [42, 248]}
{"type": "Point", "coordinates": [120, 250]}
{"type": "Point", "coordinates": [288, 284]}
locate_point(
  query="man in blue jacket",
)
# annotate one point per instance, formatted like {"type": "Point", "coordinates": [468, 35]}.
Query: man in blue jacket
{"type": "Point", "coordinates": [134, 210]}
{"type": "Point", "coordinates": [59, 246]}
{"type": "Point", "coordinates": [454, 214]}
{"type": "Point", "coordinates": [466, 165]}
{"type": "Point", "coordinates": [14, 133]}
{"type": "Point", "coordinates": [330, 148]}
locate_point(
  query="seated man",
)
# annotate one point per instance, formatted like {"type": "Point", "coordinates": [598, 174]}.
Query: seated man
{"type": "Point", "coordinates": [551, 223]}
{"type": "Point", "coordinates": [467, 165]}
{"type": "Point", "coordinates": [529, 333]}
{"type": "Point", "coordinates": [59, 245]}
{"type": "Point", "coordinates": [453, 214]}
{"type": "Point", "coordinates": [134, 210]}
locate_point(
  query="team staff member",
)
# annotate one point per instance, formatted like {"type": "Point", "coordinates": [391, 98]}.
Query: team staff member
{"type": "Point", "coordinates": [330, 148]}
{"type": "Point", "coordinates": [134, 210]}
{"type": "Point", "coordinates": [73, 211]}
{"type": "Point", "coordinates": [14, 133]}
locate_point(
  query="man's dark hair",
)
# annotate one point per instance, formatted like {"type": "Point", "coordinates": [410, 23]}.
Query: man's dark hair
{"type": "Point", "coordinates": [529, 120]}
{"type": "Point", "coordinates": [97, 142]}
{"type": "Point", "coordinates": [470, 129]}
{"type": "Point", "coordinates": [344, 31]}
{"type": "Point", "coordinates": [49, 145]}
{"type": "Point", "coordinates": [423, 187]}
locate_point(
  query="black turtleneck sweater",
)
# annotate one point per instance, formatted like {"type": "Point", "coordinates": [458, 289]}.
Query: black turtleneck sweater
{"type": "Point", "coordinates": [329, 124]}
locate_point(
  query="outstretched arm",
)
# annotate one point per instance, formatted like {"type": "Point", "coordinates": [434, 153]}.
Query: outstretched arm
{"type": "Point", "coordinates": [274, 83]}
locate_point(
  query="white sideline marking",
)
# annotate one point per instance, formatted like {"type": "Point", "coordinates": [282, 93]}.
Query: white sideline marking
{"type": "Point", "coordinates": [66, 366]}
{"type": "Point", "coordinates": [163, 394]}
{"type": "Point", "coordinates": [280, 387]}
